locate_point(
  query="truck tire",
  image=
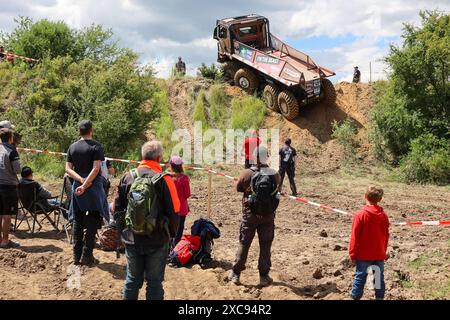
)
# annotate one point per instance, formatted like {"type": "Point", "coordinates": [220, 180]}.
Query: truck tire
{"type": "Point", "coordinates": [230, 70]}
{"type": "Point", "coordinates": [270, 94]}
{"type": "Point", "coordinates": [329, 92]}
{"type": "Point", "coordinates": [288, 105]}
{"type": "Point", "coordinates": [246, 80]}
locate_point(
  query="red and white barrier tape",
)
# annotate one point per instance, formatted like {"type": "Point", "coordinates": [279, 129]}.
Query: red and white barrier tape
{"type": "Point", "coordinates": [298, 199]}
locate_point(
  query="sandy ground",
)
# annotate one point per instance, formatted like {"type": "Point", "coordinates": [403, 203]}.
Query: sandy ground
{"type": "Point", "coordinates": [306, 265]}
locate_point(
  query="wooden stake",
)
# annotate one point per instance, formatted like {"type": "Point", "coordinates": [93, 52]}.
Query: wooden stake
{"type": "Point", "coordinates": [209, 194]}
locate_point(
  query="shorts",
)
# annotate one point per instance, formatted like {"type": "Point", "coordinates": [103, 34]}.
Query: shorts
{"type": "Point", "coordinates": [9, 202]}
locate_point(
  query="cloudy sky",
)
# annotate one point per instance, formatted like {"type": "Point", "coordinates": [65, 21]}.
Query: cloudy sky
{"type": "Point", "coordinates": [338, 34]}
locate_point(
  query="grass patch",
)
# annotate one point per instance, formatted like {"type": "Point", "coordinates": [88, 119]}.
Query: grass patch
{"type": "Point", "coordinates": [247, 113]}
{"type": "Point", "coordinates": [164, 125]}
{"type": "Point", "coordinates": [418, 262]}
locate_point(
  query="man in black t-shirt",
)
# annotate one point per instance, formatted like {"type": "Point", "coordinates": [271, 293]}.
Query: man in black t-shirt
{"type": "Point", "coordinates": [89, 203]}
{"type": "Point", "coordinates": [288, 156]}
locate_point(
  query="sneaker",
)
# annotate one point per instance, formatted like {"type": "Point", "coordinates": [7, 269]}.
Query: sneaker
{"type": "Point", "coordinates": [264, 281]}
{"type": "Point", "coordinates": [235, 278]}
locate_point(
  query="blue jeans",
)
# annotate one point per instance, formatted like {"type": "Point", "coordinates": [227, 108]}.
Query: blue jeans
{"type": "Point", "coordinates": [361, 277]}
{"type": "Point", "coordinates": [149, 262]}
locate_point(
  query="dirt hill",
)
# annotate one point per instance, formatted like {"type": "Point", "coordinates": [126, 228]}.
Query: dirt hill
{"type": "Point", "coordinates": [310, 132]}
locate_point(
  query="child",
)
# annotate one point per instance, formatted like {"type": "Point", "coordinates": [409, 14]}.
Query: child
{"type": "Point", "coordinates": [184, 192]}
{"type": "Point", "coordinates": [368, 243]}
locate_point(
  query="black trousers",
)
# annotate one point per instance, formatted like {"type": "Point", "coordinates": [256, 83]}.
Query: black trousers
{"type": "Point", "coordinates": [84, 244]}
{"type": "Point", "coordinates": [250, 225]}
{"type": "Point", "coordinates": [290, 170]}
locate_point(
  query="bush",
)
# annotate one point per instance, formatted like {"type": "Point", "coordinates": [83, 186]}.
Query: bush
{"type": "Point", "coordinates": [164, 124]}
{"type": "Point", "coordinates": [211, 72]}
{"type": "Point", "coordinates": [247, 113]}
{"type": "Point", "coordinates": [200, 109]}
{"type": "Point", "coordinates": [345, 133]}
{"type": "Point", "coordinates": [393, 125]}
{"type": "Point", "coordinates": [218, 102]}
{"type": "Point", "coordinates": [428, 161]}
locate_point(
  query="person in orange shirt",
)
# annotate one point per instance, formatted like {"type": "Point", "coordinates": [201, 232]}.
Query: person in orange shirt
{"type": "Point", "coordinates": [248, 148]}
{"type": "Point", "coordinates": [147, 254]}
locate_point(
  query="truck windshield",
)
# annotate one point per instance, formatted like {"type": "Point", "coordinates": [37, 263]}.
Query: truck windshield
{"type": "Point", "coordinates": [248, 30]}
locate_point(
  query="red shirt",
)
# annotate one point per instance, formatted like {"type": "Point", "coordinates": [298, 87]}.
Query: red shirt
{"type": "Point", "coordinates": [370, 234]}
{"type": "Point", "coordinates": [183, 191]}
{"type": "Point", "coordinates": [250, 145]}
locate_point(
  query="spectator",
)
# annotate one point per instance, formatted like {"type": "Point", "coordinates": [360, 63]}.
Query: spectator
{"type": "Point", "coordinates": [10, 57]}
{"type": "Point", "coordinates": [147, 254]}
{"type": "Point", "coordinates": [180, 66]}
{"type": "Point", "coordinates": [260, 200]}
{"type": "Point", "coordinates": [288, 155]}
{"type": "Point", "coordinates": [88, 204]}
{"type": "Point", "coordinates": [184, 192]}
{"type": "Point", "coordinates": [107, 169]}
{"type": "Point", "coordinates": [9, 200]}
{"type": "Point", "coordinates": [2, 53]}
{"type": "Point", "coordinates": [43, 196]}
{"type": "Point", "coordinates": [368, 243]}
{"type": "Point", "coordinates": [249, 146]}
{"type": "Point", "coordinates": [356, 75]}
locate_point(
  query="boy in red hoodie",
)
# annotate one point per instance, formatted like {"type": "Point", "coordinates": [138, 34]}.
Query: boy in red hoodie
{"type": "Point", "coordinates": [368, 243]}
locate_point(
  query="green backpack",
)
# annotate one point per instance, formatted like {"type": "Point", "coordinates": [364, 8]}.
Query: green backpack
{"type": "Point", "coordinates": [140, 217]}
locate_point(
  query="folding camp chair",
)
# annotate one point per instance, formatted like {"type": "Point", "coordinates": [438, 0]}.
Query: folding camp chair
{"type": "Point", "coordinates": [30, 206]}
{"type": "Point", "coordinates": [66, 197]}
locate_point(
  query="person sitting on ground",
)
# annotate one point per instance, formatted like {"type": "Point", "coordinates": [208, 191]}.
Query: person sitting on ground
{"type": "Point", "coordinates": [147, 253]}
{"type": "Point", "coordinates": [43, 197]}
{"type": "Point", "coordinates": [184, 192]}
{"type": "Point", "coordinates": [9, 200]}
{"type": "Point", "coordinates": [259, 185]}
{"type": "Point", "coordinates": [368, 243]}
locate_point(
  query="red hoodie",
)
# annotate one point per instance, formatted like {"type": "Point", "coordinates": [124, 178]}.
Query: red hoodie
{"type": "Point", "coordinates": [370, 234]}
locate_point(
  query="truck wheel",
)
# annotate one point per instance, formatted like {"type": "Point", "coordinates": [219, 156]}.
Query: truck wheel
{"type": "Point", "coordinates": [270, 94]}
{"type": "Point", "coordinates": [329, 92]}
{"type": "Point", "coordinates": [230, 70]}
{"type": "Point", "coordinates": [288, 105]}
{"type": "Point", "coordinates": [246, 80]}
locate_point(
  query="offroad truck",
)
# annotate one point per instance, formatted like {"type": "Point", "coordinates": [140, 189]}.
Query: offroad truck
{"type": "Point", "coordinates": [256, 60]}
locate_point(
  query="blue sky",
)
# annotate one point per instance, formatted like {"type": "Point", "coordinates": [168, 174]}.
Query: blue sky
{"type": "Point", "coordinates": [337, 34]}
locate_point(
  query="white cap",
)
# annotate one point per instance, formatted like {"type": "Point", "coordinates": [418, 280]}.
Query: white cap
{"type": "Point", "coordinates": [6, 124]}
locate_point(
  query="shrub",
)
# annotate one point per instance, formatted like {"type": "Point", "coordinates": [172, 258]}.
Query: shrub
{"type": "Point", "coordinates": [210, 72]}
{"type": "Point", "coordinates": [218, 102]}
{"type": "Point", "coordinates": [247, 113]}
{"type": "Point", "coordinates": [345, 133]}
{"type": "Point", "coordinates": [428, 161]}
{"type": "Point", "coordinates": [200, 109]}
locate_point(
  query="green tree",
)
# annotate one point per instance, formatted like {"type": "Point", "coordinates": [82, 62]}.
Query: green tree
{"type": "Point", "coordinates": [415, 102]}
{"type": "Point", "coordinates": [51, 39]}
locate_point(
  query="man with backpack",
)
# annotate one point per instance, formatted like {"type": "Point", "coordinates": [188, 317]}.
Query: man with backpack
{"type": "Point", "coordinates": [149, 202]}
{"type": "Point", "coordinates": [259, 203]}
{"type": "Point", "coordinates": [288, 156]}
